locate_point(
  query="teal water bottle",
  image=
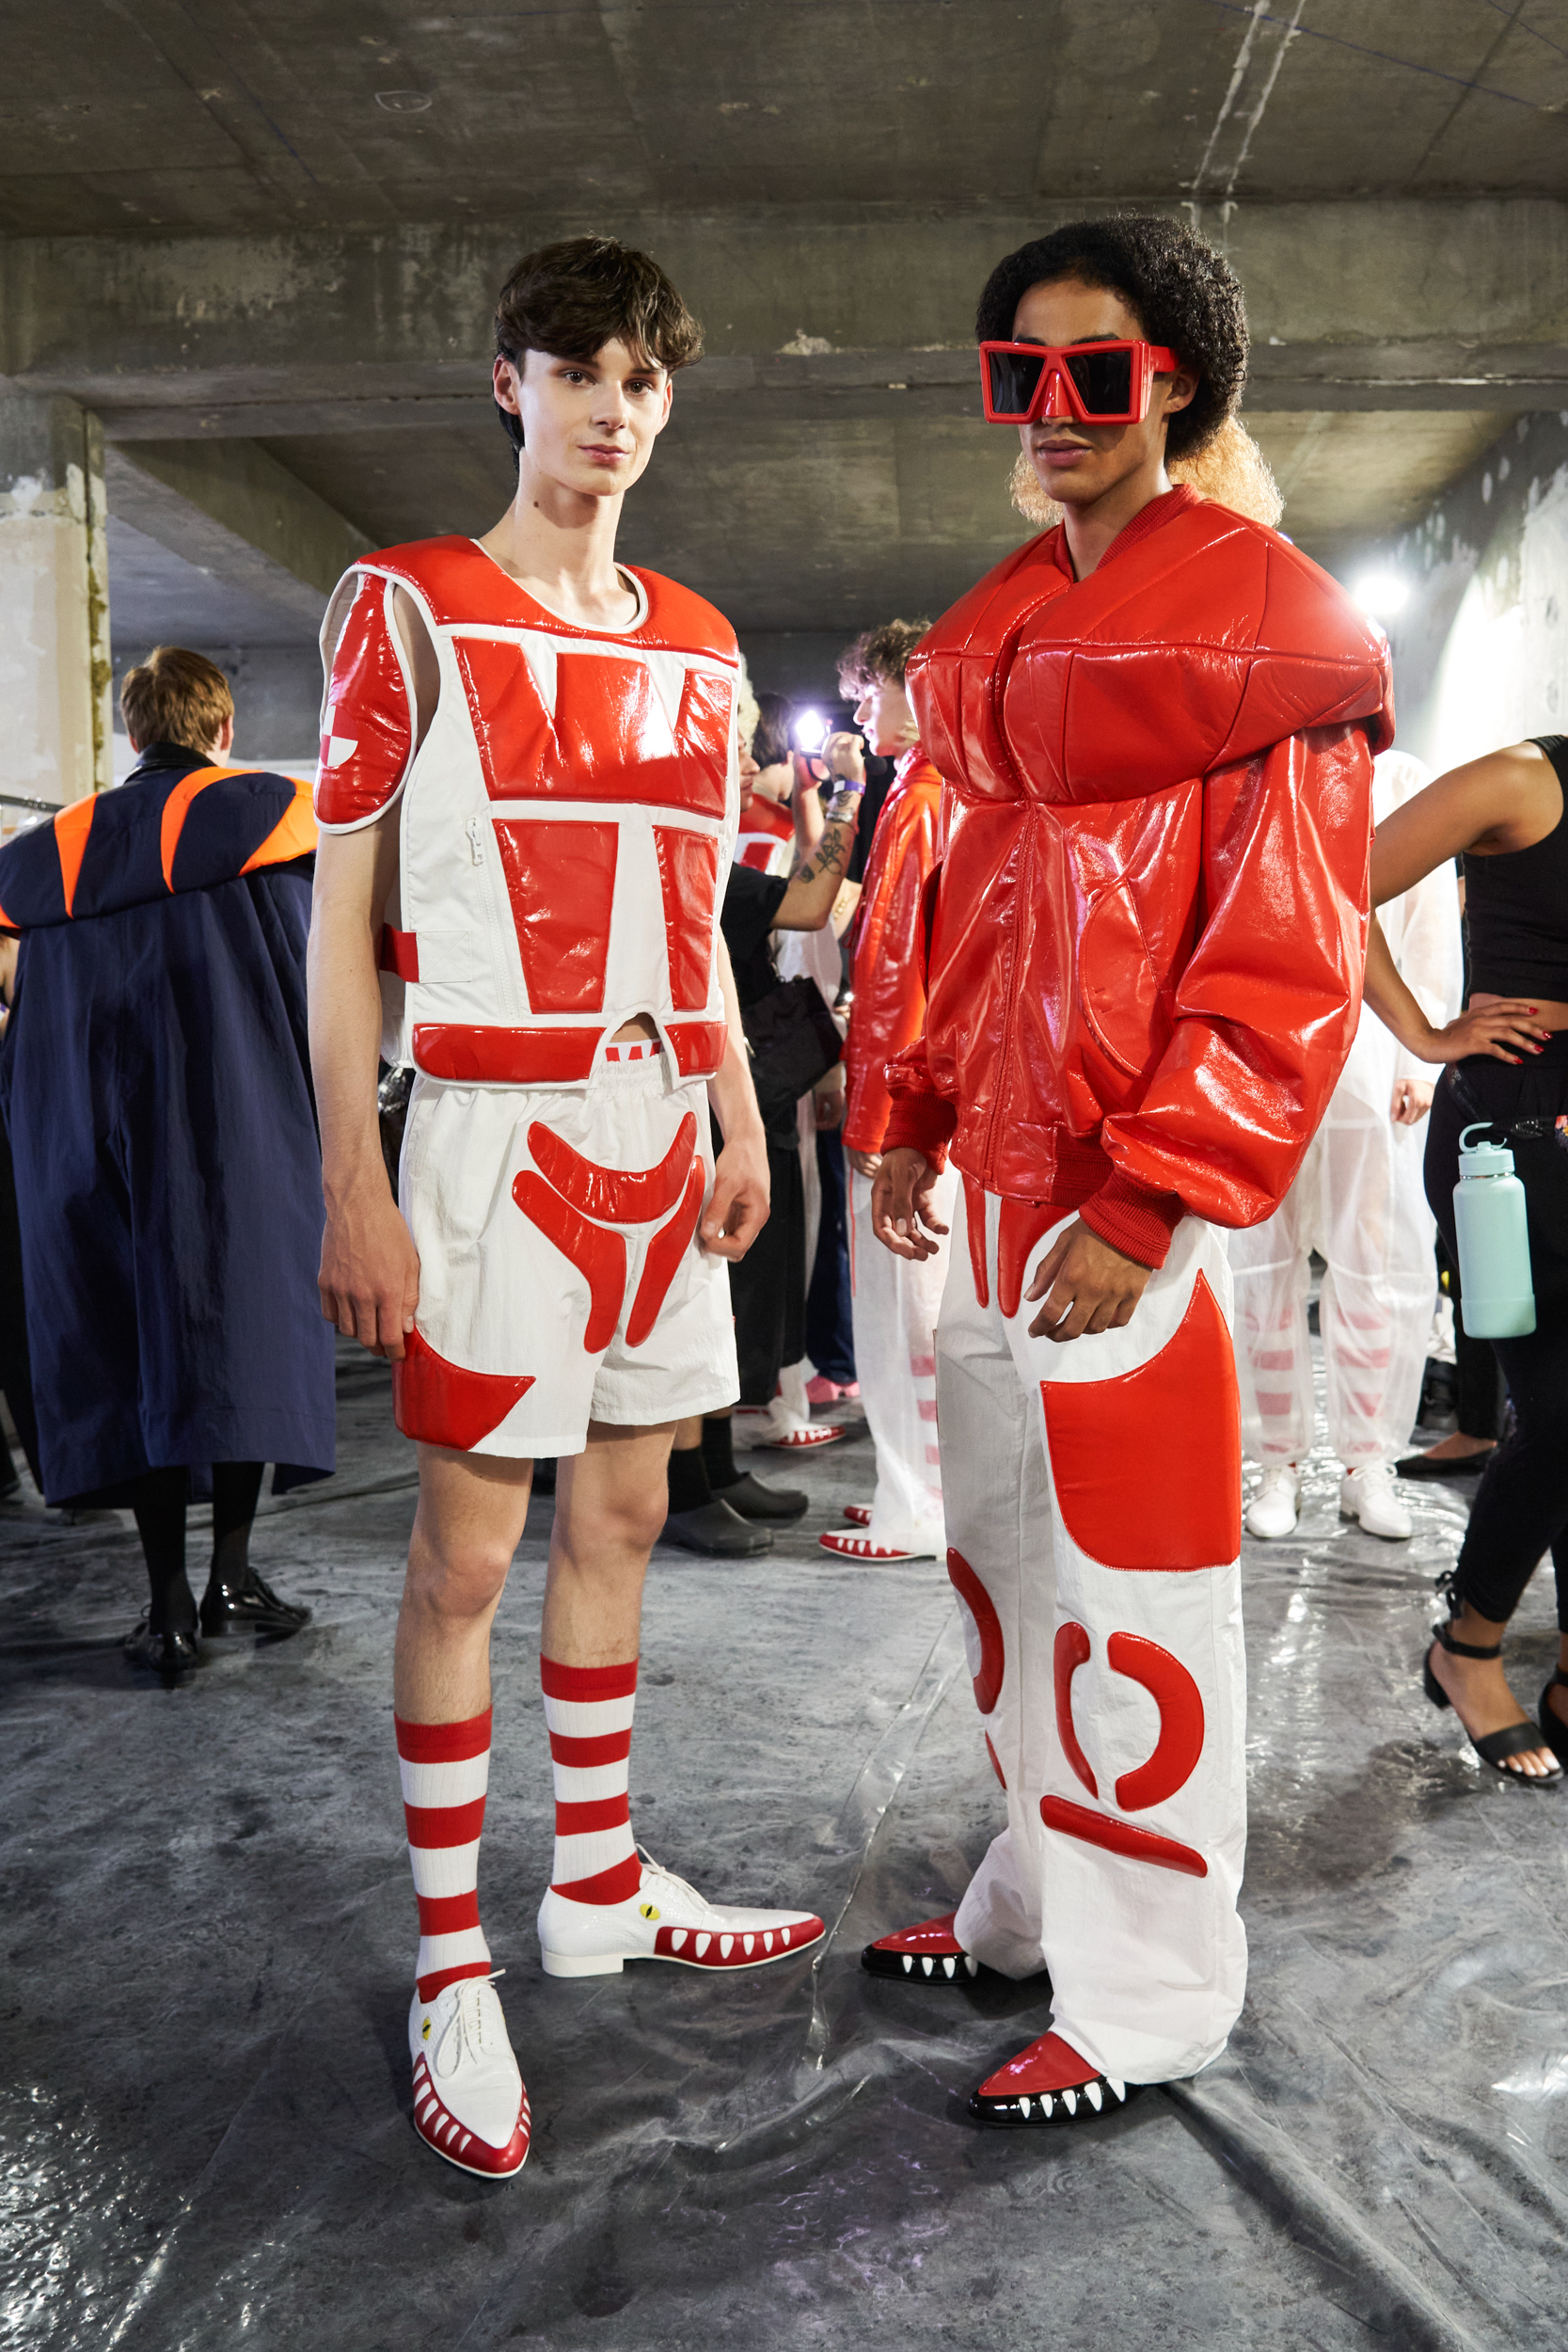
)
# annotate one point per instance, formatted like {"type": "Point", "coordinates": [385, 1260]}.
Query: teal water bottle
{"type": "Point", "coordinates": [1498, 1300]}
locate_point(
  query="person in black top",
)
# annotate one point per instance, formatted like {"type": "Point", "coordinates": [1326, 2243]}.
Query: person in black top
{"type": "Point", "coordinates": [767, 1288]}
{"type": "Point", "coordinates": [1508, 1064]}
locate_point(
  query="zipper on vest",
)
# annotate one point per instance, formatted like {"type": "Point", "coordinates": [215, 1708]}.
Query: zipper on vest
{"type": "Point", "coordinates": [475, 842]}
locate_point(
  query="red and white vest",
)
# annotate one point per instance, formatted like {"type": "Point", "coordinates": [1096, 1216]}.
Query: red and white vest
{"type": "Point", "coordinates": [565, 827]}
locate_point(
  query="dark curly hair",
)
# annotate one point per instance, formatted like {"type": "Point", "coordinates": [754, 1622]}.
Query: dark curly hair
{"type": "Point", "coordinates": [1184, 294]}
{"type": "Point", "coordinates": [880, 653]}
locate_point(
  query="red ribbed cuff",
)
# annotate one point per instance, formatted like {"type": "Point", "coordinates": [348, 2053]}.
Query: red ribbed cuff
{"type": "Point", "coordinates": [921, 1122]}
{"type": "Point", "coordinates": [1137, 1222]}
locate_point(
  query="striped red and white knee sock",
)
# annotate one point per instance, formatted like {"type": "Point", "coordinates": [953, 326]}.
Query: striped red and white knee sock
{"type": "Point", "coordinates": [589, 1711]}
{"type": "Point", "coordinates": [445, 1770]}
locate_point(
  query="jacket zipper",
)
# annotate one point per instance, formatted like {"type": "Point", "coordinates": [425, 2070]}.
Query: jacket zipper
{"type": "Point", "coordinates": [1004, 1076]}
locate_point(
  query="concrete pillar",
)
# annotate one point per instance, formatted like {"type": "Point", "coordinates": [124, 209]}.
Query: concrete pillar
{"type": "Point", "coordinates": [55, 675]}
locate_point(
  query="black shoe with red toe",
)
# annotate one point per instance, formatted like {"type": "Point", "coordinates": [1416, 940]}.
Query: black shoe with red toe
{"type": "Point", "coordinates": [1049, 2085]}
{"type": "Point", "coordinates": [929, 1953]}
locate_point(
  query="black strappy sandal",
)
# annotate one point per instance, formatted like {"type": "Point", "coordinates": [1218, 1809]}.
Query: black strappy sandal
{"type": "Point", "coordinates": [1494, 1747]}
{"type": "Point", "coordinates": [1554, 1731]}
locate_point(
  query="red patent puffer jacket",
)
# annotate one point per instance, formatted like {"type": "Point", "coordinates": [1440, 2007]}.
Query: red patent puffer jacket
{"type": "Point", "coordinates": [890, 947]}
{"type": "Point", "coordinates": [1151, 920]}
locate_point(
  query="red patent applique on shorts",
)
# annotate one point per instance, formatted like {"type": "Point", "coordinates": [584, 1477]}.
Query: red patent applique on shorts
{"type": "Point", "coordinates": [443, 1404]}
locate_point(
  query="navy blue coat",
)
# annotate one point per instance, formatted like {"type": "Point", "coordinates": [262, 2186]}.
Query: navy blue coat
{"type": "Point", "coordinates": [155, 1079]}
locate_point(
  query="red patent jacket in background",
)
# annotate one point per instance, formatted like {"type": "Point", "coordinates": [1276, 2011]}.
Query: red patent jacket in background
{"type": "Point", "coordinates": [1150, 919]}
{"type": "Point", "coordinates": [889, 978]}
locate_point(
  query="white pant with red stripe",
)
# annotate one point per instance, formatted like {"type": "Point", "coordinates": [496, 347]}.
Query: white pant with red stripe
{"type": "Point", "coordinates": [896, 1307]}
{"type": "Point", "coordinates": [1093, 1506]}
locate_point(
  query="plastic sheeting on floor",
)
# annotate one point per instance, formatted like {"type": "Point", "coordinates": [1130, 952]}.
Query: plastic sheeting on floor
{"type": "Point", "coordinates": [208, 1931]}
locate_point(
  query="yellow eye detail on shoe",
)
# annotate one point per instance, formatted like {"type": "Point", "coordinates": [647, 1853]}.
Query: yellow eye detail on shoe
{"type": "Point", "coordinates": [425, 2031]}
{"type": "Point", "coordinates": [649, 1911]}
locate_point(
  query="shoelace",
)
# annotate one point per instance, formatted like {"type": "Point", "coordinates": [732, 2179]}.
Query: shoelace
{"type": "Point", "coordinates": [467, 2028]}
{"type": "Point", "coordinates": [670, 1879]}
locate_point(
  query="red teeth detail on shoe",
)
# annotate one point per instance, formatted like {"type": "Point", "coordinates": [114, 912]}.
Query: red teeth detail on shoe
{"type": "Point", "coordinates": [438, 2129]}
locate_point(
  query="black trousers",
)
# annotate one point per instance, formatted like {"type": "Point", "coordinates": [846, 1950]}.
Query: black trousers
{"type": "Point", "coordinates": [767, 1289]}
{"type": "Point", "coordinates": [1521, 1507]}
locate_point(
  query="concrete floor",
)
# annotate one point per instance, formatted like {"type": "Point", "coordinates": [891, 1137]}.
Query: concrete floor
{"type": "Point", "coordinates": [208, 1931]}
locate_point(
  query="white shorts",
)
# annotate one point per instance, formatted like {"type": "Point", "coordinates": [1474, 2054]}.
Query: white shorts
{"type": "Point", "coordinates": [561, 1277]}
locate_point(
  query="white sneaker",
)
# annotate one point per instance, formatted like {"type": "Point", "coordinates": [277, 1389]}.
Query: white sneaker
{"type": "Point", "coordinates": [665, 1919]}
{"type": "Point", "coordinates": [1272, 1511]}
{"type": "Point", "coordinates": [469, 2104]}
{"type": "Point", "coordinates": [1367, 1495]}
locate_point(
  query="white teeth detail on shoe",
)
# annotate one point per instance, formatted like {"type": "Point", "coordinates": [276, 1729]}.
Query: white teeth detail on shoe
{"type": "Point", "coordinates": [972, 1965]}
{"type": "Point", "coordinates": [1048, 2105]}
{"type": "Point", "coordinates": [1091, 2093]}
{"type": "Point", "coordinates": [926, 1964]}
{"type": "Point", "coordinates": [947, 1967]}
{"type": "Point", "coordinates": [909, 1962]}
{"type": "Point", "coordinates": [702, 1942]}
{"type": "Point", "coordinates": [1023, 2109]}
{"type": "Point", "coordinates": [1120, 2088]}
{"type": "Point", "coordinates": [677, 1940]}
{"type": "Point", "coordinates": [1070, 2100]}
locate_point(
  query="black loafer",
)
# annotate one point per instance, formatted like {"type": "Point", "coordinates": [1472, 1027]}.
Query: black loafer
{"type": "Point", "coordinates": [251, 1606]}
{"type": "Point", "coordinates": [169, 1654]}
{"type": "Point", "coordinates": [715, 1529]}
{"type": "Point", "coordinates": [1451, 1466]}
{"type": "Point", "coordinates": [753, 1501]}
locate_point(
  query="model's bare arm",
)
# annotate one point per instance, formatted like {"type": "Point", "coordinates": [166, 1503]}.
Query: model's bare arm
{"type": "Point", "coordinates": [1506, 1027]}
{"type": "Point", "coordinates": [901, 1215]}
{"type": "Point", "coordinates": [1508, 801]}
{"type": "Point", "coordinates": [369, 1269]}
{"type": "Point", "coordinates": [738, 1205]}
{"type": "Point", "coordinates": [809, 900]}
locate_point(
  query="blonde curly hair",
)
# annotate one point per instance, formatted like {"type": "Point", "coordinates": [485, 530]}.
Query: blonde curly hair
{"type": "Point", "coordinates": [1230, 468]}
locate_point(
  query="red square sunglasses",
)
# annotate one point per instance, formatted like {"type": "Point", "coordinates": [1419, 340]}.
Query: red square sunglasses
{"type": "Point", "coordinates": [1100, 383]}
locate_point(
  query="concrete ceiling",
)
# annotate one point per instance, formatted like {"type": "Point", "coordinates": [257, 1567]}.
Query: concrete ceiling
{"type": "Point", "coordinates": [269, 239]}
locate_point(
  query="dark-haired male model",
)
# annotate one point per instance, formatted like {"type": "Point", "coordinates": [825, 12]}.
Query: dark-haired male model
{"type": "Point", "coordinates": [529, 775]}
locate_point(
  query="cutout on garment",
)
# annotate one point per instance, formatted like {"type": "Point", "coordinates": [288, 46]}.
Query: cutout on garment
{"type": "Point", "coordinates": [688, 882]}
{"type": "Point", "coordinates": [987, 1628]}
{"type": "Point", "coordinates": [561, 879]}
{"type": "Point", "coordinates": [600, 1256]}
{"type": "Point", "coordinates": [443, 1404]}
{"type": "Point", "coordinates": [1148, 1467]}
{"type": "Point", "coordinates": [1070, 1651]}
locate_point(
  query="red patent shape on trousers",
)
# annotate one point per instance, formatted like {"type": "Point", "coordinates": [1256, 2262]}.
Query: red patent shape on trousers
{"type": "Point", "coordinates": [987, 1682]}
{"type": "Point", "coordinates": [369, 741]}
{"type": "Point", "coordinates": [974, 1221]}
{"type": "Point", "coordinates": [1147, 1467]}
{"type": "Point", "coordinates": [615, 1196]}
{"type": "Point", "coordinates": [441, 1404]}
{"type": "Point", "coordinates": [599, 1257]}
{"type": "Point", "coordinates": [561, 879]}
{"type": "Point", "coordinates": [1019, 1227]}
{"type": "Point", "coordinates": [1121, 1837]}
{"type": "Point", "coordinates": [995, 1765]}
{"type": "Point", "coordinates": [688, 882]}
{"type": "Point", "coordinates": [665, 1251]}
{"type": "Point", "coordinates": [1071, 1650]}
{"type": "Point", "coordinates": [484, 1055]}
{"type": "Point", "coordinates": [610, 737]}
{"type": "Point", "coordinates": [1181, 1704]}
{"type": "Point", "coordinates": [698, 1046]}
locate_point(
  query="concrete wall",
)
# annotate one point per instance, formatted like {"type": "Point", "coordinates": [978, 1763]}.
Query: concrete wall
{"type": "Point", "coordinates": [1480, 649]}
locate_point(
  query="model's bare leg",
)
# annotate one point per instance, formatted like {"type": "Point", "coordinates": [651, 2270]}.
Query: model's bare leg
{"type": "Point", "coordinates": [610, 1506]}
{"type": "Point", "coordinates": [471, 1514]}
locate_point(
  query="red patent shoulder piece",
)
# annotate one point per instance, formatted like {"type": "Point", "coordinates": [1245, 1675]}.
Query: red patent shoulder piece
{"type": "Point", "coordinates": [458, 582]}
{"type": "Point", "coordinates": [368, 739]}
{"type": "Point", "coordinates": [681, 620]}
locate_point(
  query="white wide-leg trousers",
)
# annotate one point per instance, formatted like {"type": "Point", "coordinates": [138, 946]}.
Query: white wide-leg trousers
{"type": "Point", "coordinates": [1093, 1511]}
{"type": "Point", "coordinates": [896, 1307]}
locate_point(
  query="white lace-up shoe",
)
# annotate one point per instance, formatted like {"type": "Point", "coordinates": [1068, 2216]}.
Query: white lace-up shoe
{"type": "Point", "coordinates": [469, 2104]}
{"type": "Point", "coordinates": [1367, 1495]}
{"type": "Point", "coordinates": [1272, 1511]}
{"type": "Point", "coordinates": [666, 1919]}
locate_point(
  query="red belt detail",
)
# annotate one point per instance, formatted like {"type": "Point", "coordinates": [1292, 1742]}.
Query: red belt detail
{"type": "Point", "coordinates": [600, 1256]}
{"type": "Point", "coordinates": [1019, 1227]}
{"type": "Point", "coordinates": [663, 1256]}
{"type": "Point", "coordinates": [975, 1218]}
{"type": "Point", "coordinates": [1138, 1845]}
{"type": "Point", "coordinates": [496, 1056]}
{"type": "Point", "coordinates": [1073, 1651]}
{"type": "Point", "coordinates": [699, 1046]}
{"type": "Point", "coordinates": [399, 952]}
{"type": "Point", "coordinates": [442, 1404]}
{"type": "Point", "coordinates": [444, 1824]}
{"type": "Point", "coordinates": [615, 1196]}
